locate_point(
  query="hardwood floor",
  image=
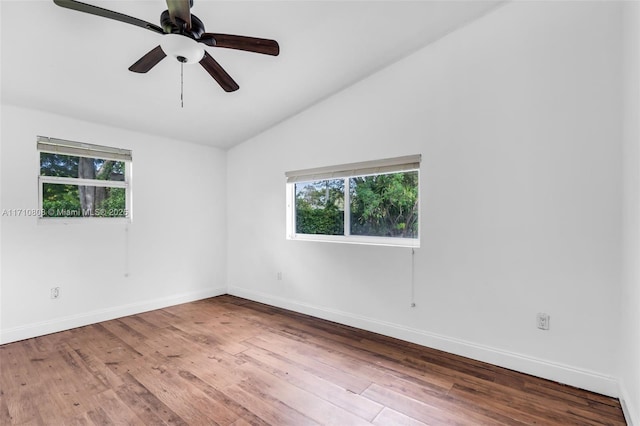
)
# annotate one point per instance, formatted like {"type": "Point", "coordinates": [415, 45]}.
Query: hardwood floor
{"type": "Point", "coordinates": [230, 361]}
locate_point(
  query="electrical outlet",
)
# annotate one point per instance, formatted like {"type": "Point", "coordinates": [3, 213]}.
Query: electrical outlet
{"type": "Point", "coordinates": [279, 276]}
{"type": "Point", "coordinates": [55, 292]}
{"type": "Point", "coordinates": [542, 321]}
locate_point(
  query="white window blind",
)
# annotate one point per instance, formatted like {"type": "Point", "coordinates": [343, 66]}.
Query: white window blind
{"type": "Point", "coordinates": [81, 149]}
{"type": "Point", "coordinates": [387, 165]}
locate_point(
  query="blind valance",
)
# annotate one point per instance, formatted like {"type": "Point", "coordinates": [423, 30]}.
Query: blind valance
{"type": "Point", "coordinates": [387, 165]}
{"type": "Point", "coordinates": [81, 149]}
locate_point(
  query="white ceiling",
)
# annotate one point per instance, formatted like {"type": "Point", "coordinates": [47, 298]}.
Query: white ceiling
{"type": "Point", "coordinates": [75, 64]}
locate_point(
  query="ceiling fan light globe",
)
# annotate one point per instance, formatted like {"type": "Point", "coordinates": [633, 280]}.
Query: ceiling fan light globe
{"type": "Point", "coordinates": [179, 46]}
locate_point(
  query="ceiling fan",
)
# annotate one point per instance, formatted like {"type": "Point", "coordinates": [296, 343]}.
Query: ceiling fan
{"type": "Point", "coordinates": [183, 37]}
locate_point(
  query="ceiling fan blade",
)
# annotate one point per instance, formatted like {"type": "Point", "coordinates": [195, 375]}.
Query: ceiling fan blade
{"type": "Point", "coordinates": [218, 73]}
{"type": "Point", "coordinates": [180, 10]}
{"type": "Point", "coordinates": [148, 61]}
{"type": "Point", "coordinates": [105, 13]}
{"type": "Point", "coordinates": [249, 44]}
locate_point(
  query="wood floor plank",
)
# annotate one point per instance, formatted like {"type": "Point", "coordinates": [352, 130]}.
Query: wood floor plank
{"type": "Point", "coordinates": [16, 380]}
{"type": "Point", "coordinates": [391, 357]}
{"type": "Point", "coordinates": [85, 419]}
{"type": "Point", "coordinates": [226, 339]}
{"type": "Point", "coordinates": [221, 398]}
{"type": "Point", "coordinates": [146, 403]}
{"type": "Point", "coordinates": [242, 422]}
{"type": "Point", "coordinates": [190, 403]}
{"type": "Point", "coordinates": [100, 371]}
{"type": "Point", "coordinates": [159, 318]}
{"type": "Point", "coordinates": [231, 361]}
{"type": "Point", "coordinates": [94, 417]}
{"type": "Point", "coordinates": [299, 399]}
{"type": "Point", "coordinates": [22, 409]}
{"type": "Point", "coordinates": [430, 414]}
{"type": "Point", "coordinates": [359, 356]}
{"type": "Point", "coordinates": [145, 411]}
{"type": "Point", "coordinates": [217, 368]}
{"type": "Point", "coordinates": [367, 366]}
{"type": "Point", "coordinates": [313, 362]}
{"type": "Point", "coordinates": [508, 413]}
{"type": "Point", "coordinates": [572, 397]}
{"type": "Point", "coordinates": [5, 417]}
{"type": "Point", "coordinates": [528, 404]}
{"type": "Point", "coordinates": [139, 326]}
{"type": "Point", "coordinates": [269, 409]}
{"type": "Point", "coordinates": [109, 405]}
{"type": "Point", "coordinates": [389, 417]}
{"type": "Point", "coordinates": [330, 392]}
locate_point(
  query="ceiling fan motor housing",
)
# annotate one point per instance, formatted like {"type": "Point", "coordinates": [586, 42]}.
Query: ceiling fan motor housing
{"type": "Point", "coordinates": [180, 42]}
{"type": "Point", "coordinates": [196, 30]}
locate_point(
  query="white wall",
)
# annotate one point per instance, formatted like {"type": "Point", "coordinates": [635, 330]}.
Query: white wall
{"type": "Point", "coordinates": [173, 251]}
{"type": "Point", "coordinates": [517, 117]}
{"type": "Point", "coordinates": [630, 302]}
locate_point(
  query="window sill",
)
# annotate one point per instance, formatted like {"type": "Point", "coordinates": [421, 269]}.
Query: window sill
{"type": "Point", "coordinates": [83, 220]}
{"type": "Point", "coordinates": [351, 239]}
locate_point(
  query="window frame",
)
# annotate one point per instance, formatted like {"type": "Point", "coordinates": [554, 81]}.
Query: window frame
{"type": "Point", "coordinates": [346, 172]}
{"type": "Point", "coordinates": [81, 149]}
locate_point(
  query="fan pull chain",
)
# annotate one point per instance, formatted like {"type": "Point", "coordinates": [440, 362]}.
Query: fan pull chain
{"type": "Point", "coordinates": [182, 60]}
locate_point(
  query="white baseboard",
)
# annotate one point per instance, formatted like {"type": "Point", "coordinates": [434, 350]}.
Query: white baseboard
{"type": "Point", "coordinates": [73, 321]}
{"type": "Point", "coordinates": [631, 413]}
{"type": "Point", "coordinates": [581, 378]}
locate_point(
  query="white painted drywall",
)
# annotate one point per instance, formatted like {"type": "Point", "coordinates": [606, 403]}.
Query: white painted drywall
{"type": "Point", "coordinates": [518, 119]}
{"type": "Point", "coordinates": [629, 372]}
{"type": "Point", "coordinates": [173, 251]}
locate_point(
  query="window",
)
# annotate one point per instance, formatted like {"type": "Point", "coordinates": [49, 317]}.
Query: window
{"type": "Point", "coordinates": [80, 180]}
{"type": "Point", "coordinates": [374, 202]}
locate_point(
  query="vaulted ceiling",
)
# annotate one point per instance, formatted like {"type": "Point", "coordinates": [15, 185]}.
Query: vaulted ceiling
{"type": "Point", "coordinates": [75, 64]}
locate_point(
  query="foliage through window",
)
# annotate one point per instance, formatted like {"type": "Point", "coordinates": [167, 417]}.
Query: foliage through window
{"type": "Point", "coordinates": [359, 206]}
{"type": "Point", "coordinates": [82, 180]}
{"type": "Point", "coordinates": [320, 207]}
{"type": "Point", "coordinates": [385, 205]}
